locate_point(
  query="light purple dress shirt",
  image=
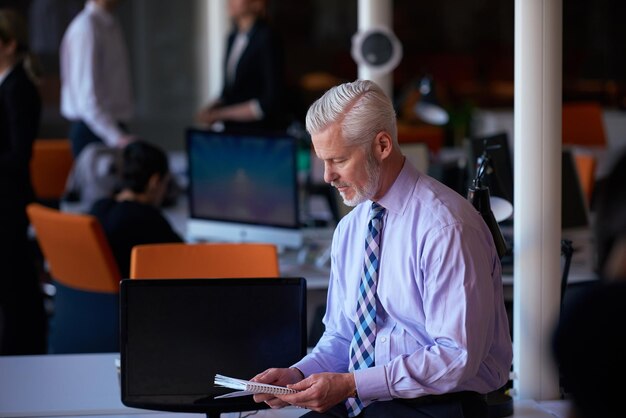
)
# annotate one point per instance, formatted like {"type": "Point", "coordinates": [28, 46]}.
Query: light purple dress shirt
{"type": "Point", "coordinates": [442, 325]}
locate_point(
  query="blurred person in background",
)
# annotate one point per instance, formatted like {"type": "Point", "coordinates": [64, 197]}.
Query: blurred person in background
{"type": "Point", "coordinates": [589, 340]}
{"type": "Point", "coordinates": [132, 216]}
{"type": "Point", "coordinates": [253, 91]}
{"type": "Point", "coordinates": [22, 314]}
{"type": "Point", "coordinates": [96, 94]}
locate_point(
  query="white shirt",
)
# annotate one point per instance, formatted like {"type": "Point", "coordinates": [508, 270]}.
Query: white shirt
{"type": "Point", "coordinates": [4, 74]}
{"type": "Point", "coordinates": [239, 45]}
{"type": "Point", "coordinates": [95, 73]}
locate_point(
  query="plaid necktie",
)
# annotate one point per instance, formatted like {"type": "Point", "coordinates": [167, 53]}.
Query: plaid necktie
{"type": "Point", "coordinates": [362, 345]}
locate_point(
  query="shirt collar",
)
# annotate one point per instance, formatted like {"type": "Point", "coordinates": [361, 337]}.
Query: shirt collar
{"type": "Point", "coordinates": [5, 73]}
{"type": "Point", "coordinates": [397, 197]}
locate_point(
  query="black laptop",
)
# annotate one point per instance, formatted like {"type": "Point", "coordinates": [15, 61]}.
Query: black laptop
{"type": "Point", "coordinates": [176, 334]}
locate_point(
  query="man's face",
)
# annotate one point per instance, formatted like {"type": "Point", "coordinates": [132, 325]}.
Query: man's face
{"type": "Point", "coordinates": [353, 170]}
{"type": "Point", "coordinates": [239, 8]}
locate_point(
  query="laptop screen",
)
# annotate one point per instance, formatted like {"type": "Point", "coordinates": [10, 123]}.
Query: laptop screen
{"type": "Point", "coordinates": [176, 334]}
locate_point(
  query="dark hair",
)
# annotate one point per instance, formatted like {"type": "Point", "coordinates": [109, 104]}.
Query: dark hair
{"type": "Point", "coordinates": [140, 161]}
{"type": "Point", "coordinates": [610, 212]}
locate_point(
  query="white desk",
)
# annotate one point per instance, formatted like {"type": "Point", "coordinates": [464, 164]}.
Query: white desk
{"type": "Point", "coordinates": [60, 385]}
{"type": "Point", "coordinates": [73, 385]}
{"type": "Point", "coordinates": [87, 385]}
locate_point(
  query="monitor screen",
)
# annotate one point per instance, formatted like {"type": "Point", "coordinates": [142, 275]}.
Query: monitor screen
{"type": "Point", "coordinates": [176, 334]}
{"type": "Point", "coordinates": [243, 187]}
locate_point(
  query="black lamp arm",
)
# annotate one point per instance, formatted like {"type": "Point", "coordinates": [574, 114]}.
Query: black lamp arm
{"type": "Point", "coordinates": [479, 196]}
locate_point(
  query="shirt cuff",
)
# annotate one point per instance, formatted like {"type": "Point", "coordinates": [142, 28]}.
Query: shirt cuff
{"type": "Point", "coordinates": [371, 384]}
{"type": "Point", "coordinates": [307, 367]}
{"type": "Point", "coordinates": [256, 109]}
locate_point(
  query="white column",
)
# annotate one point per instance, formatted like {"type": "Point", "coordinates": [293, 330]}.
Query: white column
{"type": "Point", "coordinates": [537, 212]}
{"type": "Point", "coordinates": [376, 13]}
{"type": "Point", "coordinates": [212, 25]}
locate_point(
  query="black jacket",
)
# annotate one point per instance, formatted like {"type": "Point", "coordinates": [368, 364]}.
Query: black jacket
{"type": "Point", "coordinates": [259, 75]}
{"type": "Point", "coordinates": [20, 111]}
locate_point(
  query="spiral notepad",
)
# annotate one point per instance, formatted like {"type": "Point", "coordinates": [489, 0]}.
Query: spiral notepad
{"type": "Point", "coordinates": [247, 387]}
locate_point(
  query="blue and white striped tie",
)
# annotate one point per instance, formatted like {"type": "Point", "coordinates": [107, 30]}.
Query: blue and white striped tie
{"type": "Point", "coordinates": [362, 345]}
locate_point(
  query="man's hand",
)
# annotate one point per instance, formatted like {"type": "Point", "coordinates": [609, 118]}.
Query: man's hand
{"type": "Point", "coordinates": [320, 392]}
{"type": "Point", "coordinates": [278, 377]}
{"type": "Point", "coordinates": [208, 115]}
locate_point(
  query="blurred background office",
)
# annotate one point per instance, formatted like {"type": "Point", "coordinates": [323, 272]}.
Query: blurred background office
{"type": "Point", "coordinates": [466, 46]}
{"type": "Point", "coordinates": [178, 50]}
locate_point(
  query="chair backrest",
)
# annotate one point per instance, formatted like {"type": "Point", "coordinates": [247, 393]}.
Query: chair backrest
{"type": "Point", "coordinates": [50, 166]}
{"type": "Point", "coordinates": [586, 168]}
{"type": "Point", "coordinates": [76, 249]}
{"type": "Point", "coordinates": [203, 260]}
{"type": "Point", "coordinates": [583, 124]}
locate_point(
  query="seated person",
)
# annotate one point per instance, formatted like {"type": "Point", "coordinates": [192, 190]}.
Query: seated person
{"type": "Point", "coordinates": [610, 222]}
{"type": "Point", "coordinates": [588, 341]}
{"type": "Point", "coordinates": [132, 216]}
{"type": "Point", "coordinates": [592, 376]}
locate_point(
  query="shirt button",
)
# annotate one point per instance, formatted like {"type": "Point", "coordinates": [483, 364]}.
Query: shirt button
{"type": "Point", "coordinates": [383, 339]}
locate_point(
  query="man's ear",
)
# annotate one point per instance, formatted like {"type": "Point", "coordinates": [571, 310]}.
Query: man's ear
{"type": "Point", "coordinates": [383, 145]}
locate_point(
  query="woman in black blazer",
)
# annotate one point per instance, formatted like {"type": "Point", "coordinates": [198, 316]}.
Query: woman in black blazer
{"type": "Point", "coordinates": [22, 315]}
{"type": "Point", "coordinates": [253, 92]}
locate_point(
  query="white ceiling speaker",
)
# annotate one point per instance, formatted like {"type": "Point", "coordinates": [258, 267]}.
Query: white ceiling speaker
{"type": "Point", "coordinates": [377, 48]}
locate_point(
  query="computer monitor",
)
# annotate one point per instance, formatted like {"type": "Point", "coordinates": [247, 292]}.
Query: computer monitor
{"type": "Point", "coordinates": [176, 334]}
{"type": "Point", "coordinates": [243, 187]}
{"type": "Point", "coordinates": [499, 178]}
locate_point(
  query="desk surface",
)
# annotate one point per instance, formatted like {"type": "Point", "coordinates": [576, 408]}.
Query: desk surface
{"type": "Point", "coordinates": [87, 385]}
{"type": "Point", "coordinates": [60, 385]}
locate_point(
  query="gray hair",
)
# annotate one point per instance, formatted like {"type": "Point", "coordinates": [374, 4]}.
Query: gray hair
{"type": "Point", "coordinates": [362, 109]}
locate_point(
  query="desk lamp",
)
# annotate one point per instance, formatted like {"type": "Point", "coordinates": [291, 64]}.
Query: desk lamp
{"type": "Point", "coordinates": [478, 195]}
{"type": "Point", "coordinates": [427, 107]}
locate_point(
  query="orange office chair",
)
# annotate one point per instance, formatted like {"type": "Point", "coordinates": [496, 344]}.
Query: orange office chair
{"type": "Point", "coordinates": [586, 169]}
{"type": "Point", "coordinates": [203, 260]}
{"type": "Point", "coordinates": [86, 278]}
{"type": "Point", "coordinates": [583, 124]}
{"type": "Point", "coordinates": [50, 166]}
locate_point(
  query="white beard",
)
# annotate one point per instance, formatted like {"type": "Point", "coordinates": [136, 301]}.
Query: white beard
{"type": "Point", "coordinates": [361, 194]}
